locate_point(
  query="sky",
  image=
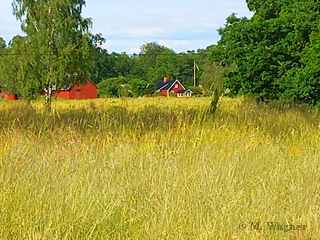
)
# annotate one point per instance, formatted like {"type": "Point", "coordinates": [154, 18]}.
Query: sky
{"type": "Point", "coordinates": [126, 25]}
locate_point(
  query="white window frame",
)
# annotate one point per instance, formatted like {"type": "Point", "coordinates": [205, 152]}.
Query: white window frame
{"type": "Point", "coordinates": [176, 85]}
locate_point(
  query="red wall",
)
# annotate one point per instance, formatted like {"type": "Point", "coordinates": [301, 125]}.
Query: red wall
{"type": "Point", "coordinates": [87, 91]}
{"type": "Point", "coordinates": [6, 95]}
{"type": "Point", "coordinates": [61, 94]}
{"type": "Point", "coordinates": [175, 90]}
{"type": "Point", "coordinates": [163, 92]}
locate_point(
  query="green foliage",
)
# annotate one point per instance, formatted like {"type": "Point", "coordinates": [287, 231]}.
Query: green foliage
{"type": "Point", "coordinates": [58, 39]}
{"type": "Point", "coordinates": [153, 63]}
{"type": "Point", "coordinates": [2, 45]}
{"type": "Point", "coordinates": [113, 87]}
{"type": "Point", "coordinates": [197, 91]}
{"type": "Point", "coordinates": [213, 75]}
{"type": "Point", "coordinates": [273, 55]}
{"type": "Point", "coordinates": [99, 59]}
{"type": "Point", "coordinates": [276, 51]}
{"type": "Point", "coordinates": [125, 87]}
{"type": "Point", "coordinates": [157, 61]}
{"type": "Point", "coordinates": [17, 75]}
{"type": "Point", "coordinates": [141, 87]}
{"type": "Point", "coordinates": [185, 64]}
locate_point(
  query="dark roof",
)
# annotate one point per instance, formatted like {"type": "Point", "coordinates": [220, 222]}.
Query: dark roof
{"type": "Point", "coordinates": [182, 91]}
{"type": "Point", "coordinates": [164, 85]}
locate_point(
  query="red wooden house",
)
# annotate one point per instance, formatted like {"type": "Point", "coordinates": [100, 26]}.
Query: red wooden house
{"type": "Point", "coordinates": [87, 91]}
{"type": "Point", "coordinates": [172, 87]}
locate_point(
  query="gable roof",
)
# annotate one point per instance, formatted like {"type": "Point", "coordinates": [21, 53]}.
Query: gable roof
{"type": "Point", "coordinates": [88, 80]}
{"type": "Point", "coordinates": [164, 85]}
{"type": "Point", "coordinates": [71, 86]}
{"type": "Point", "coordinates": [161, 85]}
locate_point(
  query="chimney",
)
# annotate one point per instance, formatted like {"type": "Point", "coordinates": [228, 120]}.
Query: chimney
{"type": "Point", "coordinates": [165, 79]}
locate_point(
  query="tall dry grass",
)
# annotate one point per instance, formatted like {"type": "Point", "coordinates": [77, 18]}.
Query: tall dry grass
{"type": "Point", "coordinates": [158, 169]}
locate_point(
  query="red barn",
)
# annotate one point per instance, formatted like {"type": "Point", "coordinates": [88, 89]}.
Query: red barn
{"type": "Point", "coordinates": [87, 91]}
{"type": "Point", "coordinates": [172, 87]}
{"type": "Point", "coordinates": [6, 95]}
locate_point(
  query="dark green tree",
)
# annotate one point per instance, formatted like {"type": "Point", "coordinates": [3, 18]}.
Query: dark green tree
{"type": "Point", "coordinates": [122, 64]}
{"type": "Point", "coordinates": [157, 61]}
{"type": "Point", "coordinates": [273, 50]}
{"type": "Point", "coordinates": [99, 59]}
{"type": "Point", "coordinates": [17, 76]}
{"type": "Point", "coordinates": [2, 45]}
{"type": "Point", "coordinates": [185, 65]}
{"type": "Point", "coordinates": [110, 87]}
{"type": "Point", "coordinates": [3, 51]}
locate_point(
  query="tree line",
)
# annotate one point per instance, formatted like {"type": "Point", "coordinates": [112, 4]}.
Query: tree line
{"type": "Point", "coordinates": [272, 56]}
{"type": "Point", "coordinates": [116, 74]}
{"type": "Point", "coordinates": [276, 52]}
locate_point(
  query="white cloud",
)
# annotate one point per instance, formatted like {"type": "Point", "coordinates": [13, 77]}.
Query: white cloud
{"type": "Point", "coordinates": [123, 45]}
{"type": "Point", "coordinates": [146, 32]}
{"type": "Point", "coordinates": [133, 32]}
{"type": "Point", "coordinates": [174, 43]}
{"type": "Point", "coordinates": [127, 24]}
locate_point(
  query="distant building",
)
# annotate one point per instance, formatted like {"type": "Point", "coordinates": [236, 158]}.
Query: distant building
{"type": "Point", "coordinates": [8, 96]}
{"type": "Point", "coordinates": [86, 91]}
{"type": "Point", "coordinates": [172, 87]}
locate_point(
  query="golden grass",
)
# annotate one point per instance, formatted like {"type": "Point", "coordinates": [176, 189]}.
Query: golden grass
{"type": "Point", "coordinates": [158, 169]}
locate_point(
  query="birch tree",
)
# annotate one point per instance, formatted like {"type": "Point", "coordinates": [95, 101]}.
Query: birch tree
{"type": "Point", "coordinates": [58, 42]}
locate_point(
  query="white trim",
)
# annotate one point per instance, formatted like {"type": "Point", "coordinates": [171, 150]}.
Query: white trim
{"type": "Point", "coordinates": [178, 82]}
{"type": "Point", "coordinates": [162, 87]}
{"type": "Point", "coordinates": [172, 85]}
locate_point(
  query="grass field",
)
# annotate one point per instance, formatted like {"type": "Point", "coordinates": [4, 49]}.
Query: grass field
{"type": "Point", "coordinates": [159, 169]}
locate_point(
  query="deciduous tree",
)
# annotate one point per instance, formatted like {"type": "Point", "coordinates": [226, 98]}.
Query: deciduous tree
{"type": "Point", "coordinates": [276, 51]}
{"type": "Point", "coordinates": [59, 39]}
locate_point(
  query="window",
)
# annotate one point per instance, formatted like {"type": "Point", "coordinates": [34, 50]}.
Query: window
{"type": "Point", "coordinates": [180, 94]}
{"type": "Point", "coordinates": [188, 94]}
{"type": "Point", "coordinates": [176, 85]}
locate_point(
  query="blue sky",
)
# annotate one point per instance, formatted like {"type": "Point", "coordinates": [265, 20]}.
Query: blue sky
{"type": "Point", "coordinates": [127, 24]}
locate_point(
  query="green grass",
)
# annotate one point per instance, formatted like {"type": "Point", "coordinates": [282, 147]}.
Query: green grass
{"type": "Point", "coordinates": [158, 169]}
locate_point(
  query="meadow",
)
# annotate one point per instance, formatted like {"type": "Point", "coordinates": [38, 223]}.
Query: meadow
{"type": "Point", "coordinates": [159, 169]}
